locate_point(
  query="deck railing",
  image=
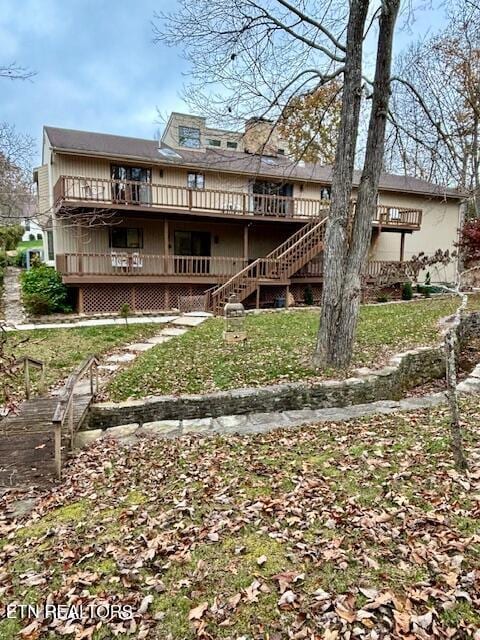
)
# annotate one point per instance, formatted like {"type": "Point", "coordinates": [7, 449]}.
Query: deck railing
{"type": "Point", "coordinates": [76, 190]}
{"type": "Point", "coordinates": [141, 264]}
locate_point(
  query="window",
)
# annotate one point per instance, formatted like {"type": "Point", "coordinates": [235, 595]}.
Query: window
{"type": "Point", "coordinates": [27, 225]}
{"type": "Point", "coordinates": [189, 137]}
{"type": "Point", "coordinates": [325, 193]}
{"type": "Point", "coordinates": [123, 238]}
{"type": "Point", "coordinates": [195, 181]}
{"type": "Point", "coordinates": [213, 142]}
{"type": "Point", "coordinates": [50, 251]}
{"type": "Point", "coordinates": [281, 152]}
{"type": "Point", "coordinates": [231, 145]}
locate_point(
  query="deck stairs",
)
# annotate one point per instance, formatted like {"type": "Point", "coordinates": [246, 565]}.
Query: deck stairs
{"type": "Point", "coordinates": [275, 268]}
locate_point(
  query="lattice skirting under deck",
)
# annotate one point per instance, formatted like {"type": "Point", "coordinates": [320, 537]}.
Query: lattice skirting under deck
{"type": "Point", "coordinates": [103, 298]}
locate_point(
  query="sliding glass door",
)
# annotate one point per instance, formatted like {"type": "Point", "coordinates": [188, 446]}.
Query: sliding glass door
{"type": "Point", "coordinates": [132, 184]}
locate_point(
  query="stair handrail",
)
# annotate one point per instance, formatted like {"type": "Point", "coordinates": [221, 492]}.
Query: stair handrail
{"type": "Point", "coordinates": [274, 262]}
{"type": "Point", "coordinates": [64, 407]}
{"type": "Point", "coordinates": [317, 227]}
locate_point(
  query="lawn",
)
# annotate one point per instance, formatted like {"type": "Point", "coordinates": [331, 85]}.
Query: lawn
{"type": "Point", "coordinates": [63, 349]}
{"type": "Point", "coordinates": [277, 350]}
{"type": "Point", "coordinates": [339, 530]}
{"type": "Point", "coordinates": [29, 244]}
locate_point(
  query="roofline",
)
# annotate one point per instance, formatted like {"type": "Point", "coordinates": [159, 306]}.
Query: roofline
{"type": "Point", "coordinates": [187, 165]}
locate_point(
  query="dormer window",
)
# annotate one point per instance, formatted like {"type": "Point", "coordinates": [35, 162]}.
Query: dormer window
{"type": "Point", "coordinates": [189, 137]}
{"type": "Point", "coordinates": [213, 142]}
{"type": "Point", "coordinates": [231, 145]}
{"type": "Point", "coordinates": [281, 152]}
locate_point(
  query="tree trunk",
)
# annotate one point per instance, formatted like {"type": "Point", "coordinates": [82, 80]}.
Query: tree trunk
{"type": "Point", "coordinates": [336, 240]}
{"type": "Point", "coordinates": [340, 312]}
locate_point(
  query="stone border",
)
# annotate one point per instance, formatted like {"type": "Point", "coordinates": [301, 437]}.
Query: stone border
{"type": "Point", "coordinates": [404, 371]}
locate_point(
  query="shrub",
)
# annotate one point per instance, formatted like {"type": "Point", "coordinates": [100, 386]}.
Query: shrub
{"type": "Point", "coordinates": [20, 259]}
{"type": "Point", "coordinates": [10, 236]}
{"type": "Point", "coordinates": [383, 298]}
{"type": "Point", "coordinates": [43, 291]}
{"type": "Point", "coordinates": [407, 291]}
{"type": "Point", "coordinates": [125, 312]}
{"type": "Point", "coordinates": [308, 295]}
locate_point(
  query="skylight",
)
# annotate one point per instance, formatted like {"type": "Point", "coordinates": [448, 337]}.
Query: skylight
{"type": "Point", "coordinates": [268, 160]}
{"type": "Point", "coordinates": [169, 153]}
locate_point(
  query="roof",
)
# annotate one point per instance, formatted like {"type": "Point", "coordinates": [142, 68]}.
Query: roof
{"type": "Point", "coordinates": [239, 162]}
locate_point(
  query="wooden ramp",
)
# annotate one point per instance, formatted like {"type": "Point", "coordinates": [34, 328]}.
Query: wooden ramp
{"type": "Point", "coordinates": [34, 441]}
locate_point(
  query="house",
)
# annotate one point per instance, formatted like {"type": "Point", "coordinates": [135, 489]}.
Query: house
{"type": "Point", "coordinates": [185, 221]}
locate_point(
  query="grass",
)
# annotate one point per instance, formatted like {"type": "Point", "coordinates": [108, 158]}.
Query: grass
{"type": "Point", "coordinates": [29, 244]}
{"type": "Point", "coordinates": [277, 350]}
{"type": "Point", "coordinates": [370, 504]}
{"type": "Point", "coordinates": [63, 349]}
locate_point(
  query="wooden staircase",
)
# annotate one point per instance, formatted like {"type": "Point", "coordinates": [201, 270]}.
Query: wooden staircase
{"type": "Point", "coordinates": [275, 268]}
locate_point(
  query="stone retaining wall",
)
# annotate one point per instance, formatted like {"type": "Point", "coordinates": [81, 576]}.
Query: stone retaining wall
{"type": "Point", "coordinates": [405, 371]}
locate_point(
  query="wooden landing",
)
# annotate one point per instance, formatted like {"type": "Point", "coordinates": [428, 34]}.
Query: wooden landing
{"type": "Point", "coordinates": [27, 442]}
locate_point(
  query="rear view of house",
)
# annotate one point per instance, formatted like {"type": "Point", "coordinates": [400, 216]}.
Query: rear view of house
{"type": "Point", "coordinates": [185, 222]}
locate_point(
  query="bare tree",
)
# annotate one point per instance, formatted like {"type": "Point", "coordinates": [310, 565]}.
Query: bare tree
{"type": "Point", "coordinates": [16, 153]}
{"type": "Point", "coordinates": [15, 71]}
{"type": "Point", "coordinates": [436, 106]}
{"type": "Point", "coordinates": [253, 57]}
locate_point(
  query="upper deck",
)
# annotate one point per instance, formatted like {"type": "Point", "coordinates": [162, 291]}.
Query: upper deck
{"type": "Point", "coordinates": [75, 192]}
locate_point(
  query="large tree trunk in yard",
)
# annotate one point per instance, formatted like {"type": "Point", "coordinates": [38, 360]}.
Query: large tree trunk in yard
{"type": "Point", "coordinates": [336, 239]}
{"type": "Point", "coordinates": [340, 311]}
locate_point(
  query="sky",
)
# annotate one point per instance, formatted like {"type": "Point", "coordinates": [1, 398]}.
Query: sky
{"type": "Point", "coordinates": [97, 67]}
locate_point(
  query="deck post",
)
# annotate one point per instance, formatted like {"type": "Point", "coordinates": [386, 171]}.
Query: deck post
{"type": "Point", "coordinates": [26, 369]}
{"type": "Point", "coordinates": [402, 247]}
{"type": "Point", "coordinates": [245, 243]}
{"type": "Point", "coordinates": [287, 295]}
{"type": "Point", "coordinates": [80, 300]}
{"type": "Point", "coordinates": [42, 379]}
{"type": "Point", "coordinates": [165, 243]}
{"type": "Point", "coordinates": [58, 449]}
{"type": "Point", "coordinates": [257, 302]}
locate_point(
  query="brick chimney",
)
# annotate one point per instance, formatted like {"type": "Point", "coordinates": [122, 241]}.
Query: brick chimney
{"type": "Point", "coordinates": [261, 137]}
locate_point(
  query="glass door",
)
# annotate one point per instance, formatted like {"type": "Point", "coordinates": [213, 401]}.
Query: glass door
{"type": "Point", "coordinates": [132, 184]}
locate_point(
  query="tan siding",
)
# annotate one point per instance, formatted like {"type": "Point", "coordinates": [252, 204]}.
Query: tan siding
{"type": "Point", "coordinates": [438, 231]}
{"type": "Point", "coordinates": [43, 191]}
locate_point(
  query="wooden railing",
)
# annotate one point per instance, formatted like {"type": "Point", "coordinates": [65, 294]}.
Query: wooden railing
{"type": "Point", "coordinates": [374, 271]}
{"type": "Point", "coordinates": [390, 216]}
{"type": "Point", "coordinates": [141, 264]}
{"type": "Point", "coordinates": [282, 262]}
{"type": "Point", "coordinates": [64, 411]}
{"type": "Point", "coordinates": [76, 189]}
{"type": "Point", "coordinates": [25, 363]}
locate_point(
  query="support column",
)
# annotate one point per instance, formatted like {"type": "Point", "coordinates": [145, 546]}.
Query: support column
{"type": "Point", "coordinates": [257, 303]}
{"type": "Point", "coordinates": [166, 239]}
{"type": "Point", "coordinates": [80, 300]}
{"type": "Point", "coordinates": [287, 295]}
{"type": "Point", "coordinates": [245, 242]}
{"type": "Point", "coordinates": [402, 247]}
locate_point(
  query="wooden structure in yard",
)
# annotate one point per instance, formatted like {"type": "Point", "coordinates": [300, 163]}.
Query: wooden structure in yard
{"type": "Point", "coordinates": [35, 439]}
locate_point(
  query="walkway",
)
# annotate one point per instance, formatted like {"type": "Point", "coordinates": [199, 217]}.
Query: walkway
{"type": "Point", "coordinates": [105, 322]}
{"type": "Point", "coordinates": [12, 299]}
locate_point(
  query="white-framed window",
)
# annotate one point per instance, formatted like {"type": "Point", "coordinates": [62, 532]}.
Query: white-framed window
{"type": "Point", "coordinates": [213, 142]}
{"type": "Point", "coordinates": [231, 144]}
